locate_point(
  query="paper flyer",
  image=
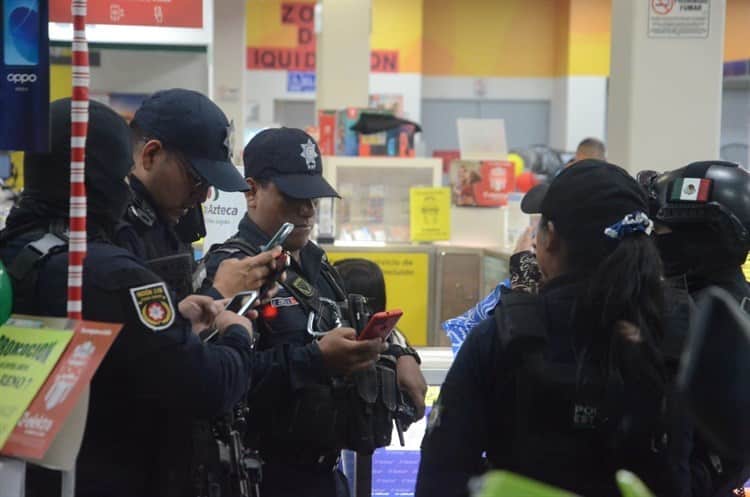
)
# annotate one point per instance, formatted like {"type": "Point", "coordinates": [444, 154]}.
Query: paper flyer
{"type": "Point", "coordinates": [26, 358]}
{"type": "Point", "coordinates": [41, 422]}
{"type": "Point", "coordinates": [429, 210]}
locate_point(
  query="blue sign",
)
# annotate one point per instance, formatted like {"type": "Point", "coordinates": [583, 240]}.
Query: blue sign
{"type": "Point", "coordinates": [24, 75]}
{"type": "Point", "coordinates": [300, 81]}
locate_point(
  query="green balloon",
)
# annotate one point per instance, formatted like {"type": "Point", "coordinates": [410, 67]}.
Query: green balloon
{"type": "Point", "coordinates": [6, 295]}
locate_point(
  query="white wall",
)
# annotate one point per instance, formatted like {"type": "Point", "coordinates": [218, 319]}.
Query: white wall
{"type": "Point", "coordinates": [263, 87]}
{"type": "Point", "coordinates": [146, 71]}
{"type": "Point", "coordinates": [577, 103]}
{"type": "Point", "coordinates": [468, 88]}
{"type": "Point", "coordinates": [665, 94]}
{"type": "Point", "coordinates": [579, 108]}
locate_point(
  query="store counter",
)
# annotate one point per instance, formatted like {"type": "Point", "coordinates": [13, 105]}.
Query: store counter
{"type": "Point", "coordinates": [431, 283]}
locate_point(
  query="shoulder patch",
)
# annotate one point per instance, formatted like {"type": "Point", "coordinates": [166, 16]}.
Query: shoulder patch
{"type": "Point", "coordinates": [153, 305]}
{"type": "Point", "coordinates": [303, 287]}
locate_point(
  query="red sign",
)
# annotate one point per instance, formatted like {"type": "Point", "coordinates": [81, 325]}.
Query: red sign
{"type": "Point", "coordinates": [50, 408]}
{"type": "Point", "coordinates": [163, 13]}
{"type": "Point", "coordinates": [662, 7]}
{"type": "Point", "coordinates": [299, 58]}
{"type": "Point", "coordinates": [384, 61]}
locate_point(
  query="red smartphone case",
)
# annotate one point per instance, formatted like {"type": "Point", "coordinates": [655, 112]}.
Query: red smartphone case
{"type": "Point", "coordinates": [381, 324]}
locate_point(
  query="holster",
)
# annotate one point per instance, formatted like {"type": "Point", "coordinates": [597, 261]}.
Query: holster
{"type": "Point", "coordinates": [316, 418]}
{"type": "Point", "coordinates": [373, 397]}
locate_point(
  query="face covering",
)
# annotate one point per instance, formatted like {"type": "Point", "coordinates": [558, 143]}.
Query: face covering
{"type": "Point", "coordinates": [694, 254]}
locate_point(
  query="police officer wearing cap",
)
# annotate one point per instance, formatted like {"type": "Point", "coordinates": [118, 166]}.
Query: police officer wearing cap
{"type": "Point", "coordinates": [566, 385]}
{"type": "Point", "coordinates": [158, 377]}
{"type": "Point", "coordinates": [182, 146]}
{"type": "Point", "coordinates": [702, 216]}
{"type": "Point", "coordinates": [295, 423]}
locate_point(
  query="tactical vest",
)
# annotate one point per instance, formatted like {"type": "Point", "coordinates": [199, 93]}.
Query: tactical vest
{"type": "Point", "coordinates": [572, 426]}
{"type": "Point", "coordinates": [355, 413]}
{"type": "Point", "coordinates": [24, 269]}
{"type": "Point", "coordinates": [175, 269]}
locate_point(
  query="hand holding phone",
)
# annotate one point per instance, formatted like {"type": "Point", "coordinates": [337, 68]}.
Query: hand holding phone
{"type": "Point", "coordinates": [279, 238]}
{"type": "Point", "coordinates": [381, 325]}
{"type": "Point", "coordinates": [242, 302]}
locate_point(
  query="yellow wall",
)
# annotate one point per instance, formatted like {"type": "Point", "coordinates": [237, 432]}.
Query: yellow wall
{"type": "Point", "coordinates": [501, 38]}
{"type": "Point", "coordinates": [737, 32]}
{"type": "Point", "coordinates": [589, 37]}
{"type": "Point", "coordinates": [264, 27]}
{"type": "Point", "coordinates": [397, 25]}
{"type": "Point", "coordinates": [491, 38]}
{"type": "Point", "coordinates": [510, 38]}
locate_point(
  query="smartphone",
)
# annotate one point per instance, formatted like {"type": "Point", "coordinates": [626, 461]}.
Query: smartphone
{"type": "Point", "coordinates": [242, 302]}
{"type": "Point", "coordinates": [381, 325]}
{"type": "Point", "coordinates": [279, 238]}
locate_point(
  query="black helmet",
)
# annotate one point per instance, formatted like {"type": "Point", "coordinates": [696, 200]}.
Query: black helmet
{"type": "Point", "coordinates": [709, 193]}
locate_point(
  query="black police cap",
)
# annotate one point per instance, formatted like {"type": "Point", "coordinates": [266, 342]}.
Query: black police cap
{"type": "Point", "coordinates": [291, 159]}
{"type": "Point", "coordinates": [586, 198]}
{"type": "Point", "coordinates": [192, 124]}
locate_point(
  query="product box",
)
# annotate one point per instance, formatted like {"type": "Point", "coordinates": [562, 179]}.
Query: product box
{"type": "Point", "coordinates": [397, 142]}
{"type": "Point", "coordinates": [327, 132]}
{"type": "Point", "coordinates": [481, 183]}
{"type": "Point", "coordinates": [337, 137]}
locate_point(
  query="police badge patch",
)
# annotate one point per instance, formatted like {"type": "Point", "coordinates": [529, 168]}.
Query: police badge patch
{"type": "Point", "coordinates": [153, 305]}
{"type": "Point", "coordinates": [303, 287]}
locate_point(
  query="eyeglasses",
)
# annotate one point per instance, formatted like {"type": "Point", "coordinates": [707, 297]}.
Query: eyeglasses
{"type": "Point", "coordinates": [198, 183]}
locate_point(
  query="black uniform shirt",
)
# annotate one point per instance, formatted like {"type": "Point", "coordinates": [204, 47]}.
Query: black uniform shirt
{"type": "Point", "coordinates": [156, 379]}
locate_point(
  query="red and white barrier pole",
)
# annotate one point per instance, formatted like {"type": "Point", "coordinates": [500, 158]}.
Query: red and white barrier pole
{"type": "Point", "coordinates": [79, 129]}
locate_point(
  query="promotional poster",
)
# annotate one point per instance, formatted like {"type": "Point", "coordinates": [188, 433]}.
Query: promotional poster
{"type": "Point", "coordinates": [24, 76]}
{"type": "Point", "coordinates": [481, 183]}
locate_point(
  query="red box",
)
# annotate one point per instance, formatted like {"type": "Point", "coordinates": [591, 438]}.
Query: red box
{"type": "Point", "coordinates": [327, 130]}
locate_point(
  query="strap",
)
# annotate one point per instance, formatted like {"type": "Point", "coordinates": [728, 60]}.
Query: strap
{"type": "Point", "coordinates": [24, 270]}
{"type": "Point", "coordinates": [334, 279]}
{"type": "Point", "coordinates": [519, 320]}
{"type": "Point", "coordinates": [140, 214]}
{"type": "Point", "coordinates": [306, 294]}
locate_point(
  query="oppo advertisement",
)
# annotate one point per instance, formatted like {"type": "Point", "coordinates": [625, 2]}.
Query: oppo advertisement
{"type": "Point", "coordinates": [24, 75]}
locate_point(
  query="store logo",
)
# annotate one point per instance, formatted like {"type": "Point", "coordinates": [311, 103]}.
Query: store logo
{"type": "Point", "coordinates": [21, 78]}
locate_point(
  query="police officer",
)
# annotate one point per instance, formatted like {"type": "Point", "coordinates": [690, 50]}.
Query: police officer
{"type": "Point", "coordinates": [566, 386]}
{"type": "Point", "coordinates": [702, 216]}
{"type": "Point", "coordinates": [158, 376]}
{"type": "Point", "coordinates": [182, 146]}
{"type": "Point", "coordinates": [295, 424]}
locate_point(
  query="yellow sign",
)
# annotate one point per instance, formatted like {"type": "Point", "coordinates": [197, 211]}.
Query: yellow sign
{"type": "Point", "coordinates": [27, 356]}
{"type": "Point", "coordinates": [433, 392]}
{"type": "Point", "coordinates": [746, 269]}
{"type": "Point", "coordinates": [430, 214]}
{"type": "Point", "coordinates": [406, 287]}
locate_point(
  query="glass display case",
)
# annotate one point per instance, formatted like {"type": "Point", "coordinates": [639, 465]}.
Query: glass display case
{"type": "Point", "coordinates": [375, 195]}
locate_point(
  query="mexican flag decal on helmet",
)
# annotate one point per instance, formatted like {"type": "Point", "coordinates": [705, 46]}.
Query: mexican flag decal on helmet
{"type": "Point", "coordinates": [690, 190]}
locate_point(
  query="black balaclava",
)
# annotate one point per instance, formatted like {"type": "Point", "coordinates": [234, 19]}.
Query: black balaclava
{"type": "Point", "coordinates": [109, 159]}
{"type": "Point", "coordinates": [698, 252]}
